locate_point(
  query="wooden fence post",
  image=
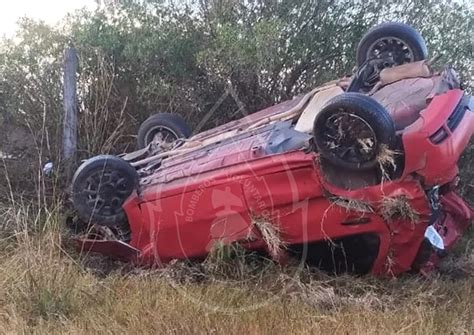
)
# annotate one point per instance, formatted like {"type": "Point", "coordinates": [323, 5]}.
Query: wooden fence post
{"type": "Point", "coordinates": [70, 107]}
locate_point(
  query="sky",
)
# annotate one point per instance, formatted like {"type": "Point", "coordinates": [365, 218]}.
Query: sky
{"type": "Point", "coordinates": [50, 11]}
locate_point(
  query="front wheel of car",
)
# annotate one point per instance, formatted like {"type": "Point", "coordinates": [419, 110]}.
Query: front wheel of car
{"type": "Point", "coordinates": [353, 130]}
{"type": "Point", "coordinates": [100, 186]}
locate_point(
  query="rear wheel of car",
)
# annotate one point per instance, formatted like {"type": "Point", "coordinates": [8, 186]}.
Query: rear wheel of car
{"type": "Point", "coordinates": [393, 43]}
{"type": "Point", "coordinates": [352, 130]}
{"type": "Point", "coordinates": [99, 188]}
{"type": "Point", "coordinates": [162, 128]}
{"type": "Point", "coordinates": [384, 46]}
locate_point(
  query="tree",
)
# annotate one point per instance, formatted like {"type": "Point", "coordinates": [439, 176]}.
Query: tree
{"type": "Point", "coordinates": [140, 57]}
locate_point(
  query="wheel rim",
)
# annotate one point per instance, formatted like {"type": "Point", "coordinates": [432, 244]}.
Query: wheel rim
{"type": "Point", "coordinates": [160, 136]}
{"type": "Point", "coordinates": [106, 190]}
{"type": "Point", "coordinates": [391, 51]}
{"type": "Point", "coordinates": [349, 138]}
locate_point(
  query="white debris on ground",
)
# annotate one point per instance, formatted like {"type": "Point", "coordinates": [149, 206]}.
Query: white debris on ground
{"type": "Point", "coordinates": [48, 169]}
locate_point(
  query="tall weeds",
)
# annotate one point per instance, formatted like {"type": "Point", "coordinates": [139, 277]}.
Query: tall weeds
{"type": "Point", "coordinates": [103, 120]}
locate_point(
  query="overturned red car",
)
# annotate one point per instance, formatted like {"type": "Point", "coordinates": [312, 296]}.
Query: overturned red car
{"type": "Point", "coordinates": [357, 175]}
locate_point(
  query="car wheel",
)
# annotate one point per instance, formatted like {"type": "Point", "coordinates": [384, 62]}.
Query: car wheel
{"type": "Point", "coordinates": [164, 128]}
{"type": "Point", "coordinates": [393, 44]}
{"type": "Point", "coordinates": [99, 188]}
{"type": "Point", "coordinates": [351, 131]}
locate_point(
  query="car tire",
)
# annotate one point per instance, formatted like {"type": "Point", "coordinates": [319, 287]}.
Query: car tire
{"type": "Point", "coordinates": [173, 124]}
{"type": "Point", "coordinates": [100, 186]}
{"type": "Point", "coordinates": [351, 131]}
{"type": "Point", "coordinates": [401, 32]}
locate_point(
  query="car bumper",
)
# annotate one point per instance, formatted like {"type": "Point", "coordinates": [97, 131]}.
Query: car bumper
{"type": "Point", "coordinates": [434, 143]}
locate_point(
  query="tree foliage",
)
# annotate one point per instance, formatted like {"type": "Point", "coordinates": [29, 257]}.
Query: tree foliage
{"type": "Point", "coordinates": [138, 57]}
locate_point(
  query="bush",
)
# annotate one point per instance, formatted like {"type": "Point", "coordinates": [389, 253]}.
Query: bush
{"type": "Point", "coordinates": [140, 57]}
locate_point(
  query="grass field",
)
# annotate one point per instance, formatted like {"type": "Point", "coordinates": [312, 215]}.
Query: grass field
{"type": "Point", "coordinates": [48, 288]}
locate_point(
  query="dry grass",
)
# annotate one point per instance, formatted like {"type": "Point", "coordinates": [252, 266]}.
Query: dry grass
{"type": "Point", "coordinates": [352, 204]}
{"type": "Point", "coordinates": [226, 262]}
{"type": "Point", "coordinates": [270, 233]}
{"type": "Point", "coordinates": [47, 289]}
{"type": "Point", "coordinates": [386, 160]}
{"type": "Point", "coordinates": [393, 208]}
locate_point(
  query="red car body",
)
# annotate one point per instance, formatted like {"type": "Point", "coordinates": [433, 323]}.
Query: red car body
{"type": "Point", "coordinates": [215, 194]}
